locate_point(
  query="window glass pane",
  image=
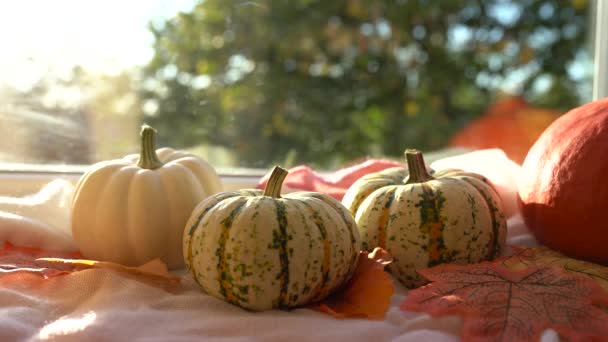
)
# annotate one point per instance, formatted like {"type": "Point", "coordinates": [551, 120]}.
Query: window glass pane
{"type": "Point", "coordinates": [254, 83]}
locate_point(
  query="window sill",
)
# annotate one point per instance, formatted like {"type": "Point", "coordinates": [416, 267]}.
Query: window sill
{"type": "Point", "coordinates": [22, 180]}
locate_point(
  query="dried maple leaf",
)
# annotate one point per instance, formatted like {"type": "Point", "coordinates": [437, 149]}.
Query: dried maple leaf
{"type": "Point", "coordinates": [23, 259]}
{"type": "Point", "coordinates": [367, 294]}
{"type": "Point", "coordinates": [52, 263]}
{"type": "Point", "coordinates": [499, 304]}
{"type": "Point", "coordinates": [154, 269]}
{"type": "Point", "coordinates": [542, 256]}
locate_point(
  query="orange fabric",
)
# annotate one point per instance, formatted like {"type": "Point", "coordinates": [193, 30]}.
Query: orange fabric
{"type": "Point", "coordinates": [334, 184]}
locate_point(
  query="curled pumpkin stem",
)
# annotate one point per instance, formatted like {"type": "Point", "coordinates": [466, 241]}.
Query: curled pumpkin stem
{"type": "Point", "coordinates": [416, 167]}
{"type": "Point", "coordinates": [148, 159]}
{"type": "Point", "coordinates": [275, 182]}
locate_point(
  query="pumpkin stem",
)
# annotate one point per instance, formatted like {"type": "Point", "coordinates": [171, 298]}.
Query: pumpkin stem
{"type": "Point", "coordinates": [416, 167]}
{"type": "Point", "coordinates": [147, 157]}
{"type": "Point", "coordinates": [275, 182]}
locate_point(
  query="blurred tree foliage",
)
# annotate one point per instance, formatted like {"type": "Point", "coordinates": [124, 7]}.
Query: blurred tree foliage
{"type": "Point", "coordinates": [323, 82]}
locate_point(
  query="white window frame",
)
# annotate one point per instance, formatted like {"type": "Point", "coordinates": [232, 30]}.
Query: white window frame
{"type": "Point", "coordinates": [29, 179]}
{"type": "Point", "coordinates": [24, 182]}
{"type": "Point", "coordinates": [600, 78]}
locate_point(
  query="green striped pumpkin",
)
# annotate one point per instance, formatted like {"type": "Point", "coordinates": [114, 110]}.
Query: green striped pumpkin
{"type": "Point", "coordinates": [364, 186]}
{"type": "Point", "coordinates": [261, 251]}
{"type": "Point", "coordinates": [422, 220]}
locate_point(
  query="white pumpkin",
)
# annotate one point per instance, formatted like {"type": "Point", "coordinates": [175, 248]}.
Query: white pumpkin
{"type": "Point", "coordinates": [133, 210]}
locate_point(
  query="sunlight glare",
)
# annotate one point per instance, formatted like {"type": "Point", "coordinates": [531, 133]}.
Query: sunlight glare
{"type": "Point", "coordinates": [65, 326]}
{"type": "Point", "coordinates": [40, 37]}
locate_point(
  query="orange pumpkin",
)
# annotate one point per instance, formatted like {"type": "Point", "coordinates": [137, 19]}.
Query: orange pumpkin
{"type": "Point", "coordinates": [563, 190]}
{"type": "Point", "coordinates": [510, 124]}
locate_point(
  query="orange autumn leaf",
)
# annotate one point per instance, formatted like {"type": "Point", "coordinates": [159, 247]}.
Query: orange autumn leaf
{"type": "Point", "coordinates": [500, 304]}
{"type": "Point", "coordinates": [367, 294]}
{"type": "Point", "coordinates": [23, 259]}
{"type": "Point", "coordinates": [9, 248]}
{"type": "Point", "coordinates": [154, 269]}
{"type": "Point", "coordinates": [53, 263]}
{"type": "Point", "coordinates": [542, 256]}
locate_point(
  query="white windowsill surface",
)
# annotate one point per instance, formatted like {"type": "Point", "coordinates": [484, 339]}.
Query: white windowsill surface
{"type": "Point", "coordinates": [18, 180]}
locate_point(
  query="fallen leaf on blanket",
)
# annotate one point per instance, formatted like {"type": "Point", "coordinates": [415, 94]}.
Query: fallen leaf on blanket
{"type": "Point", "coordinates": [155, 269]}
{"type": "Point", "coordinates": [367, 294]}
{"type": "Point", "coordinates": [542, 256]}
{"type": "Point", "coordinates": [24, 259]}
{"type": "Point", "coordinates": [500, 304]}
